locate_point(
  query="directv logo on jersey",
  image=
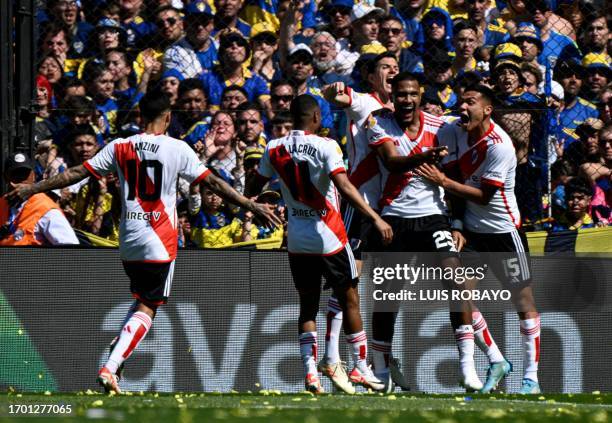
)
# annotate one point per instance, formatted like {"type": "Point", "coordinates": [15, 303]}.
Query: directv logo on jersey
{"type": "Point", "coordinates": [143, 216]}
{"type": "Point", "coordinates": [307, 212]}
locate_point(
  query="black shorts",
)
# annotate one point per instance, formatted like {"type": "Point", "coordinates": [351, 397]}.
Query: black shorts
{"type": "Point", "coordinates": [150, 283]}
{"type": "Point", "coordinates": [510, 263]}
{"type": "Point", "coordinates": [357, 229]}
{"type": "Point", "coordinates": [420, 234]}
{"type": "Point", "coordinates": [338, 269]}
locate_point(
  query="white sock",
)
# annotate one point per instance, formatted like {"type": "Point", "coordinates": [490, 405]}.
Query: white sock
{"type": "Point", "coordinates": [484, 340]}
{"type": "Point", "coordinates": [308, 351]}
{"type": "Point", "coordinates": [332, 335]}
{"type": "Point", "coordinates": [464, 337]}
{"type": "Point", "coordinates": [381, 352]}
{"type": "Point", "coordinates": [358, 343]}
{"type": "Point", "coordinates": [134, 330]}
{"type": "Point", "coordinates": [530, 332]}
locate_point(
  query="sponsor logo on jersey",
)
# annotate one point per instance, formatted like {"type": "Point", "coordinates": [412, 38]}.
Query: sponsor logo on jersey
{"type": "Point", "coordinates": [295, 212]}
{"type": "Point", "coordinates": [146, 216]}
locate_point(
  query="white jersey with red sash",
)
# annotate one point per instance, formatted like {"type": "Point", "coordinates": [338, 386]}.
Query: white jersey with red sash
{"type": "Point", "coordinates": [363, 161]}
{"type": "Point", "coordinates": [305, 163]}
{"type": "Point", "coordinates": [492, 161]}
{"type": "Point", "coordinates": [148, 167]}
{"type": "Point", "coordinates": [406, 195]}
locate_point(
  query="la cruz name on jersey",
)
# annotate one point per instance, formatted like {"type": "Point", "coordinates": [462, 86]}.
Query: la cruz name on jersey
{"type": "Point", "coordinates": [491, 160]}
{"type": "Point", "coordinates": [147, 166]}
{"type": "Point", "coordinates": [363, 162]}
{"type": "Point", "coordinates": [407, 194]}
{"type": "Point", "coordinates": [304, 163]}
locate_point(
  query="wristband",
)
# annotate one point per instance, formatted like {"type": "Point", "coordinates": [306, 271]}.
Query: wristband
{"type": "Point", "coordinates": [457, 225]}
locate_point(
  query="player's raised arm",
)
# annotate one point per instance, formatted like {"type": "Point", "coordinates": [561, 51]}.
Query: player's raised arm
{"type": "Point", "coordinates": [350, 193]}
{"type": "Point", "coordinates": [224, 190]}
{"type": "Point", "coordinates": [22, 192]}
{"type": "Point", "coordinates": [336, 93]}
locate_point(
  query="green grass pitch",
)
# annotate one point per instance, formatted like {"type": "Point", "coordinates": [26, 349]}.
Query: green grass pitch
{"type": "Point", "coordinates": [266, 406]}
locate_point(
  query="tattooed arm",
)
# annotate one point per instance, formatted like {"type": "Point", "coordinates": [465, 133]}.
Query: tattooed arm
{"type": "Point", "coordinates": [22, 192]}
{"type": "Point", "coordinates": [225, 191]}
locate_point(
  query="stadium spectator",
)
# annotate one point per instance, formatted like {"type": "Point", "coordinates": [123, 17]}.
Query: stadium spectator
{"type": "Point", "coordinates": [410, 12]}
{"type": "Point", "coordinates": [234, 52]}
{"type": "Point", "coordinates": [562, 171]}
{"type": "Point", "coordinates": [598, 168]}
{"type": "Point", "coordinates": [465, 42]}
{"type": "Point", "coordinates": [170, 28]}
{"type": "Point", "coordinates": [35, 221]}
{"type": "Point", "coordinates": [587, 148]}
{"type": "Point", "coordinates": [526, 37]}
{"type": "Point", "coordinates": [139, 31]}
{"type": "Point", "coordinates": [364, 25]}
{"type": "Point", "coordinates": [99, 84]}
{"type": "Point", "coordinates": [491, 31]}
{"type": "Point", "coordinates": [250, 126]}
{"type": "Point", "coordinates": [191, 122]}
{"type": "Point", "coordinates": [232, 97]}
{"type": "Point", "coordinates": [330, 66]}
{"type": "Point", "coordinates": [338, 14]}
{"type": "Point", "coordinates": [282, 93]}
{"type": "Point", "coordinates": [51, 69]}
{"type": "Point", "coordinates": [254, 228]}
{"type": "Point", "coordinates": [578, 196]}
{"type": "Point", "coordinates": [605, 104]}
{"type": "Point", "coordinates": [532, 77]}
{"type": "Point", "coordinates": [118, 64]}
{"type": "Point", "coordinates": [66, 13]}
{"type": "Point", "coordinates": [570, 75]}
{"type": "Point", "coordinates": [227, 20]}
{"type": "Point", "coordinates": [107, 35]}
{"type": "Point", "coordinates": [55, 41]}
{"type": "Point", "coordinates": [438, 33]}
{"type": "Point", "coordinates": [438, 73]}
{"type": "Point", "coordinates": [169, 83]}
{"type": "Point", "coordinates": [264, 43]}
{"type": "Point", "coordinates": [281, 126]}
{"type": "Point", "coordinates": [299, 71]}
{"type": "Point", "coordinates": [598, 75]}
{"type": "Point", "coordinates": [196, 51]}
{"type": "Point", "coordinates": [70, 86]}
{"type": "Point", "coordinates": [556, 46]}
{"type": "Point", "coordinates": [597, 35]}
{"type": "Point", "coordinates": [392, 36]}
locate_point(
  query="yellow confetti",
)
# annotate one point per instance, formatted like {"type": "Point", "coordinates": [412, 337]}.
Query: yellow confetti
{"type": "Point", "coordinates": [391, 397]}
{"type": "Point", "coordinates": [596, 392]}
{"type": "Point", "coordinates": [20, 332]}
{"type": "Point", "coordinates": [40, 376]}
{"type": "Point", "coordinates": [89, 392]}
{"type": "Point", "coordinates": [296, 399]}
{"type": "Point", "coordinates": [179, 400]}
{"type": "Point", "coordinates": [47, 392]}
{"type": "Point", "coordinates": [257, 384]}
{"type": "Point", "coordinates": [542, 398]}
{"type": "Point", "coordinates": [494, 413]}
{"type": "Point", "coordinates": [189, 349]}
{"type": "Point", "coordinates": [97, 403]}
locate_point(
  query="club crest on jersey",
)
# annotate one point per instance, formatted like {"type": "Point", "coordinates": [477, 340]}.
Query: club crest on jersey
{"type": "Point", "coordinates": [474, 156]}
